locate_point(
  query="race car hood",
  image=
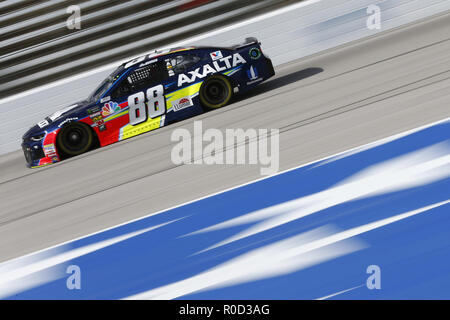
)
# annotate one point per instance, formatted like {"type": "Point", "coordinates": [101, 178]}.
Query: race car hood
{"type": "Point", "coordinates": [56, 117]}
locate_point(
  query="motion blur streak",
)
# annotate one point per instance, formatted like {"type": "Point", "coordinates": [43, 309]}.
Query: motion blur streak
{"type": "Point", "coordinates": [30, 271]}
{"type": "Point", "coordinates": [414, 169]}
{"type": "Point", "coordinates": [282, 257]}
{"type": "Point", "coordinates": [286, 256]}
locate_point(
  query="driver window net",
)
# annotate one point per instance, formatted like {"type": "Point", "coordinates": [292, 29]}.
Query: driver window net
{"type": "Point", "coordinates": [139, 75]}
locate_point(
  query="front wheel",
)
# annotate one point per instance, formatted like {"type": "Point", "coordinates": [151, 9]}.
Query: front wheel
{"type": "Point", "coordinates": [216, 92]}
{"type": "Point", "coordinates": [75, 139]}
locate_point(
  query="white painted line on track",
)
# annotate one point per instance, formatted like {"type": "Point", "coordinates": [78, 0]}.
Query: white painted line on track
{"type": "Point", "coordinates": [340, 292]}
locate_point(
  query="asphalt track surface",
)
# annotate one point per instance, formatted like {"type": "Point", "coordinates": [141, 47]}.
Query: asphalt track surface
{"type": "Point", "coordinates": [323, 104]}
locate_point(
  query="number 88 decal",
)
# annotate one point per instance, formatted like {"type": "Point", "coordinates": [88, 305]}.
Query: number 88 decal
{"type": "Point", "coordinates": [155, 101]}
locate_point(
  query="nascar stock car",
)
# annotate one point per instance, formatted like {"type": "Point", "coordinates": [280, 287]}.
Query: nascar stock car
{"type": "Point", "coordinates": [147, 93]}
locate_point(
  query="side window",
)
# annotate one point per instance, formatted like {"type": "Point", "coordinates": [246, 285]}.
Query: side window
{"type": "Point", "coordinates": [180, 64]}
{"type": "Point", "coordinates": [121, 90]}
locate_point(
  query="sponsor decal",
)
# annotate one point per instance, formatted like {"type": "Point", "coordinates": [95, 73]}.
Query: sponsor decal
{"type": "Point", "coordinates": [147, 63]}
{"type": "Point", "coordinates": [105, 99]}
{"type": "Point", "coordinates": [93, 110]}
{"type": "Point", "coordinates": [216, 55]}
{"type": "Point", "coordinates": [96, 114]}
{"type": "Point", "coordinates": [169, 68]}
{"type": "Point", "coordinates": [217, 66]}
{"type": "Point", "coordinates": [110, 108]}
{"type": "Point", "coordinates": [49, 147]}
{"type": "Point", "coordinates": [98, 123]}
{"type": "Point", "coordinates": [66, 121]}
{"type": "Point", "coordinates": [97, 117]}
{"type": "Point", "coordinates": [102, 127]}
{"type": "Point", "coordinates": [253, 75]}
{"type": "Point", "coordinates": [182, 103]}
{"type": "Point", "coordinates": [50, 150]}
{"type": "Point", "coordinates": [254, 53]}
{"type": "Point", "coordinates": [43, 123]}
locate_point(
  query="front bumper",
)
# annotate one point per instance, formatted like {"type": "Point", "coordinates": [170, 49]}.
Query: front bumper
{"type": "Point", "coordinates": [33, 154]}
{"type": "Point", "coordinates": [37, 154]}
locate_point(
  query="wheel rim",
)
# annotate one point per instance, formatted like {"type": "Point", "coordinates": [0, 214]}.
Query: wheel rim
{"type": "Point", "coordinates": [216, 92]}
{"type": "Point", "coordinates": [75, 139]}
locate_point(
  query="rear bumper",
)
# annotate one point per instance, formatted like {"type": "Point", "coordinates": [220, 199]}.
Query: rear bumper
{"type": "Point", "coordinates": [270, 67]}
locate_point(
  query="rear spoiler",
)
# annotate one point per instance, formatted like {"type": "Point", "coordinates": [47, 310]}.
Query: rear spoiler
{"type": "Point", "coordinates": [248, 41]}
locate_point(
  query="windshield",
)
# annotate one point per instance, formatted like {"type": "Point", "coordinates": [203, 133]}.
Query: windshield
{"type": "Point", "coordinates": [105, 85]}
{"type": "Point", "coordinates": [101, 89]}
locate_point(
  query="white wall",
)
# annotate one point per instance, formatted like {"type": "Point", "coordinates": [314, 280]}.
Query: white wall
{"type": "Point", "coordinates": [286, 34]}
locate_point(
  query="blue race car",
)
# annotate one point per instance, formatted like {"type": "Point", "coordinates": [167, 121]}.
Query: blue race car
{"type": "Point", "coordinates": [147, 93]}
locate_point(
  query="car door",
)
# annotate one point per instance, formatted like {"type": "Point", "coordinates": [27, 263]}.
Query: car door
{"type": "Point", "coordinates": [181, 101]}
{"type": "Point", "coordinates": [143, 90]}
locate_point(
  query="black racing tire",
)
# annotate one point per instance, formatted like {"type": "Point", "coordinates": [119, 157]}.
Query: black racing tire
{"type": "Point", "coordinates": [75, 138]}
{"type": "Point", "coordinates": [216, 92]}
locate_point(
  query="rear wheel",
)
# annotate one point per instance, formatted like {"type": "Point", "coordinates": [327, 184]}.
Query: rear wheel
{"type": "Point", "coordinates": [75, 138]}
{"type": "Point", "coordinates": [216, 92]}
